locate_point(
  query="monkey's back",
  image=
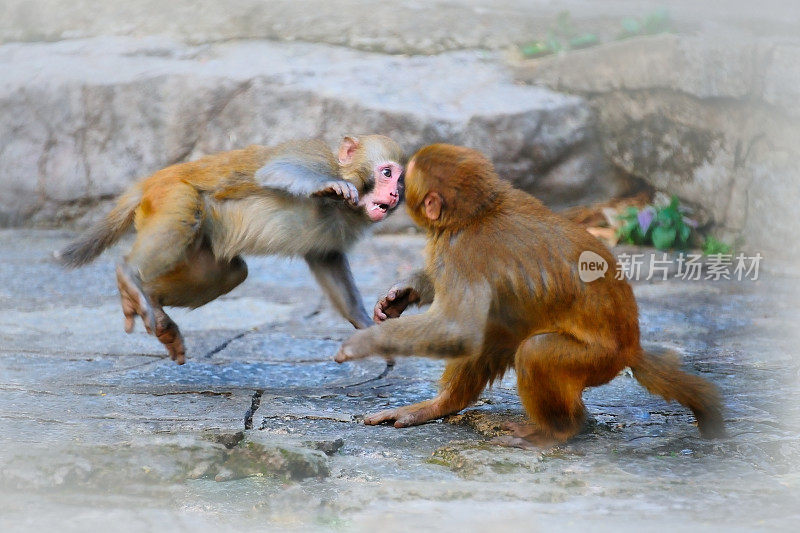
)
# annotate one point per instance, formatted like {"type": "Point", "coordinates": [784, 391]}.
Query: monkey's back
{"type": "Point", "coordinates": [532, 257]}
{"type": "Point", "coordinates": [243, 216]}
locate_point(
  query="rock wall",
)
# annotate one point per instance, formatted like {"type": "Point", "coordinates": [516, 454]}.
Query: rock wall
{"type": "Point", "coordinates": [82, 119]}
{"type": "Point", "coordinates": [714, 119]}
{"type": "Point", "coordinates": [388, 26]}
{"type": "Point", "coordinates": [710, 114]}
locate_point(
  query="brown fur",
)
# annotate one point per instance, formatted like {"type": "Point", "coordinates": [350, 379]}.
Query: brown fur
{"type": "Point", "coordinates": [194, 220]}
{"type": "Point", "coordinates": [507, 293]}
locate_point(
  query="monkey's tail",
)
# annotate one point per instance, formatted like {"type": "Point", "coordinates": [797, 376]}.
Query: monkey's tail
{"type": "Point", "coordinates": [103, 234]}
{"type": "Point", "coordinates": [661, 374]}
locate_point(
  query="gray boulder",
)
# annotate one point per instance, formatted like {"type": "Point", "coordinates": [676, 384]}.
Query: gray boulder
{"type": "Point", "coordinates": [713, 119]}
{"type": "Point", "coordinates": [80, 120]}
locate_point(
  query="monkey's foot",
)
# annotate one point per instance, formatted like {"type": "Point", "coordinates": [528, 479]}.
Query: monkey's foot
{"type": "Point", "coordinates": [410, 415]}
{"type": "Point", "coordinates": [134, 301]}
{"type": "Point", "coordinates": [525, 436]}
{"type": "Point", "coordinates": [170, 336]}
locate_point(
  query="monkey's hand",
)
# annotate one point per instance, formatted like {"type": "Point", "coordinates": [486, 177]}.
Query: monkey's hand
{"type": "Point", "coordinates": [338, 188]}
{"type": "Point", "coordinates": [394, 302]}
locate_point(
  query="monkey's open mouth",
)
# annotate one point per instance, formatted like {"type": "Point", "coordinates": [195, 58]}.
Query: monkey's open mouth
{"type": "Point", "coordinates": [377, 211]}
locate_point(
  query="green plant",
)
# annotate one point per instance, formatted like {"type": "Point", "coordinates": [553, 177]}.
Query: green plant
{"type": "Point", "coordinates": [713, 246]}
{"type": "Point", "coordinates": [561, 36]}
{"type": "Point", "coordinates": [653, 23]}
{"type": "Point", "coordinates": [664, 226]}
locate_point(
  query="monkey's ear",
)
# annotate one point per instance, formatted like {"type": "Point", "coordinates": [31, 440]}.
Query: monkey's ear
{"type": "Point", "coordinates": [347, 150]}
{"type": "Point", "coordinates": [433, 205]}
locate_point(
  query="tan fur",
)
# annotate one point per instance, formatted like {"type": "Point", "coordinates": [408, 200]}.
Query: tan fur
{"type": "Point", "coordinates": [194, 220]}
{"type": "Point", "coordinates": [265, 225]}
{"type": "Point", "coordinates": [507, 293]}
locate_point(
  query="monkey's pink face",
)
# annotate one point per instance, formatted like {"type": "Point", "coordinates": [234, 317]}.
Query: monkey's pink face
{"type": "Point", "coordinates": [385, 195]}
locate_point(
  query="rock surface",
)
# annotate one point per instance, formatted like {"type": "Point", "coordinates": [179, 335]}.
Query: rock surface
{"type": "Point", "coordinates": [98, 427]}
{"type": "Point", "coordinates": [390, 26]}
{"type": "Point", "coordinates": [712, 118]}
{"type": "Point", "coordinates": [80, 120]}
{"type": "Point", "coordinates": [709, 113]}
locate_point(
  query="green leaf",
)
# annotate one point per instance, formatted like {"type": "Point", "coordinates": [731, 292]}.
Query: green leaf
{"type": "Point", "coordinates": [666, 217]}
{"type": "Point", "coordinates": [628, 228]}
{"type": "Point", "coordinates": [664, 238]}
{"type": "Point", "coordinates": [713, 246]}
{"type": "Point", "coordinates": [656, 22]}
{"type": "Point", "coordinates": [630, 213]}
{"type": "Point", "coordinates": [584, 41]}
{"type": "Point", "coordinates": [536, 49]}
{"type": "Point", "coordinates": [639, 236]}
{"type": "Point", "coordinates": [623, 236]}
{"type": "Point", "coordinates": [684, 232]}
{"type": "Point", "coordinates": [554, 45]}
{"type": "Point", "coordinates": [630, 26]}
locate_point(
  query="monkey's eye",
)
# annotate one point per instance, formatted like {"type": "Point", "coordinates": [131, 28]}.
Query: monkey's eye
{"type": "Point", "coordinates": [387, 172]}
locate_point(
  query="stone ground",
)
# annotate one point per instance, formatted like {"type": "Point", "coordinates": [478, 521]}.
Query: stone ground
{"type": "Point", "coordinates": [260, 429]}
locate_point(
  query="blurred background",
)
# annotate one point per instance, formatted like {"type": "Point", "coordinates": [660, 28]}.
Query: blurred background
{"type": "Point", "coordinates": [576, 101]}
{"type": "Point", "coordinates": [664, 125]}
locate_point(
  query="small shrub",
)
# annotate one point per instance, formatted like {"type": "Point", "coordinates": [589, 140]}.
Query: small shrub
{"type": "Point", "coordinates": [713, 246]}
{"type": "Point", "coordinates": [664, 227]}
{"type": "Point", "coordinates": [562, 36]}
{"type": "Point", "coordinates": [653, 23]}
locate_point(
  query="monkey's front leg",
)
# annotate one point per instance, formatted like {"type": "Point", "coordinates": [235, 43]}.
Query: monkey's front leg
{"type": "Point", "coordinates": [378, 340]}
{"type": "Point", "coordinates": [429, 334]}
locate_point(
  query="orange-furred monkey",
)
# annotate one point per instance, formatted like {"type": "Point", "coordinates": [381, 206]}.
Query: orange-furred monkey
{"type": "Point", "coordinates": [194, 220]}
{"type": "Point", "coordinates": [502, 280]}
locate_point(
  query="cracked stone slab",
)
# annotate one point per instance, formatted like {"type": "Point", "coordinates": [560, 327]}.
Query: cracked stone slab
{"type": "Point", "coordinates": [95, 415]}
{"type": "Point", "coordinates": [88, 437]}
{"type": "Point", "coordinates": [162, 460]}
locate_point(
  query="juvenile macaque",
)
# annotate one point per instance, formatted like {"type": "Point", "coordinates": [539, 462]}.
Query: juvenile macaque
{"type": "Point", "coordinates": [194, 220]}
{"type": "Point", "coordinates": [502, 280]}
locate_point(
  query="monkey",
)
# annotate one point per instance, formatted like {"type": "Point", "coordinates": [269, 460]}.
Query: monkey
{"type": "Point", "coordinates": [195, 220]}
{"type": "Point", "coordinates": [501, 276]}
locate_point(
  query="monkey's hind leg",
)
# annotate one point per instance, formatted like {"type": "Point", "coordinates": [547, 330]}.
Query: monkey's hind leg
{"type": "Point", "coordinates": [194, 282]}
{"type": "Point", "coordinates": [163, 236]}
{"type": "Point", "coordinates": [134, 300]}
{"type": "Point", "coordinates": [170, 336]}
{"type": "Point", "coordinates": [551, 375]}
